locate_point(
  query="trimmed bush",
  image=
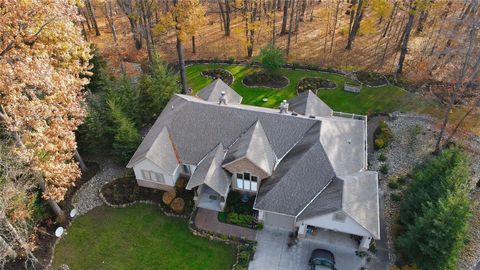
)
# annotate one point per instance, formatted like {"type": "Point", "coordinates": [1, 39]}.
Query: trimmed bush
{"type": "Point", "coordinates": [382, 135]}
{"type": "Point", "coordinates": [178, 205]}
{"type": "Point", "coordinates": [241, 219]}
{"type": "Point", "coordinates": [271, 57]}
{"type": "Point", "coordinates": [168, 197]}
{"type": "Point", "coordinates": [384, 168]}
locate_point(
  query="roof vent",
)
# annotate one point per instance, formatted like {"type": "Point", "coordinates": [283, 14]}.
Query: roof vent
{"type": "Point", "coordinates": [223, 98]}
{"type": "Point", "coordinates": [312, 116]}
{"type": "Point", "coordinates": [294, 113]}
{"type": "Point", "coordinates": [284, 107]}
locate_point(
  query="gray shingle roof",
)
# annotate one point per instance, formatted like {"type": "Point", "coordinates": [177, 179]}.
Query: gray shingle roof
{"type": "Point", "coordinates": [307, 103]}
{"type": "Point", "coordinates": [254, 145]}
{"type": "Point", "coordinates": [161, 152]}
{"type": "Point", "coordinates": [360, 200]}
{"type": "Point", "coordinates": [212, 93]}
{"type": "Point", "coordinates": [312, 152]}
{"type": "Point", "coordinates": [210, 172]}
{"type": "Point", "coordinates": [328, 201]}
{"type": "Point", "coordinates": [299, 176]}
{"type": "Point", "coordinates": [198, 126]}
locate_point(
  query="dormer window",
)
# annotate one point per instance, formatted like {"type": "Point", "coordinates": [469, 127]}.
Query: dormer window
{"type": "Point", "coordinates": [246, 181]}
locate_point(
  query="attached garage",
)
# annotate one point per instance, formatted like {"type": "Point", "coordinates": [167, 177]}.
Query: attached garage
{"type": "Point", "coordinates": [279, 221]}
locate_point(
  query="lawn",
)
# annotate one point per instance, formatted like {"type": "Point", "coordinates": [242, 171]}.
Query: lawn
{"type": "Point", "coordinates": [369, 100]}
{"type": "Point", "coordinates": [138, 237]}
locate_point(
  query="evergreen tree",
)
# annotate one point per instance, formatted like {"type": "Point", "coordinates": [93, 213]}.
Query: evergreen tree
{"type": "Point", "coordinates": [127, 137]}
{"type": "Point", "coordinates": [156, 89]}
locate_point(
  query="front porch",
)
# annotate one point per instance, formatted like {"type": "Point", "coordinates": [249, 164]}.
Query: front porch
{"type": "Point", "coordinates": [209, 199]}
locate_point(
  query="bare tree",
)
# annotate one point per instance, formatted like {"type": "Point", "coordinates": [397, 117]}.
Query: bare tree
{"type": "Point", "coordinates": [91, 14]}
{"type": "Point", "coordinates": [108, 12]}
{"type": "Point", "coordinates": [129, 10]}
{"type": "Point", "coordinates": [356, 24]}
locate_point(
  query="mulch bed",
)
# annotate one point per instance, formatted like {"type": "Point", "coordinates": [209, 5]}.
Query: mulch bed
{"type": "Point", "coordinates": [371, 79]}
{"type": "Point", "coordinates": [314, 84]}
{"type": "Point", "coordinates": [47, 226]}
{"type": "Point", "coordinates": [264, 79]}
{"type": "Point", "coordinates": [126, 190]}
{"type": "Point", "coordinates": [219, 73]}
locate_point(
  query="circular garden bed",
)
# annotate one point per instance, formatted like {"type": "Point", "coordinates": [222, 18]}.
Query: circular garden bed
{"type": "Point", "coordinates": [126, 190]}
{"type": "Point", "coordinates": [219, 73]}
{"type": "Point", "coordinates": [371, 79]}
{"type": "Point", "coordinates": [264, 79]}
{"type": "Point", "coordinates": [314, 84]}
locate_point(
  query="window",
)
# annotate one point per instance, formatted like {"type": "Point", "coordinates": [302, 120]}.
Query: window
{"type": "Point", "coordinates": [247, 181]}
{"type": "Point", "coordinates": [340, 216]}
{"type": "Point", "coordinates": [153, 176]}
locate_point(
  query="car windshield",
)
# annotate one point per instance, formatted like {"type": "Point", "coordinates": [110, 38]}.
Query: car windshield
{"type": "Point", "coordinates": [323, 261]}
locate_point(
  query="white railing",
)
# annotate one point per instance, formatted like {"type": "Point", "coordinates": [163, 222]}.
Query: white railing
{"type": "Point", "coordinates": [363, 118]}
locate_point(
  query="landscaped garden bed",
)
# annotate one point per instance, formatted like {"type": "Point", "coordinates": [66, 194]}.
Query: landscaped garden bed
{"type": "Point", "coordinates": [126, 191]}
{"type": "Point", "coordinates": [138, 237]}
{"type": "Point", "coordinates": [371, 79]}
{"type": "Point", "coordinates": [219, 73]}
{"type": "Point", "coordinates": [314, 84]}
{"type": "Point", "coordinates": [382, 135]}
{"type": "Point", "coordinates": [239, 211]}
{"type": "Point", "coordinates": [265, 79]}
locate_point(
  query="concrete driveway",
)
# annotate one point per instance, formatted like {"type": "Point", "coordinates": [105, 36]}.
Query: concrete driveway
{"type": "Point", "coordinates": [273, 254]}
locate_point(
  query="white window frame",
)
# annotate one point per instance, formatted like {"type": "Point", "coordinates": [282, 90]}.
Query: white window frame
{"type": "Point", "coordinates": [153, 176]}
{"type": "Point", "coordinates": [246, 184]}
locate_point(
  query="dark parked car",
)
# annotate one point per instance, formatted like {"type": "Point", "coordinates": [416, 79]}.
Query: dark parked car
{"type": "Point", "coordinates": [322, 259]}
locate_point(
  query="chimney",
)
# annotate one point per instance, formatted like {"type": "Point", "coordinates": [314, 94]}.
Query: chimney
{"type": "Point", "coordinates": [223, 98]}
{"type": "Point", "coordinates": [284, 107]}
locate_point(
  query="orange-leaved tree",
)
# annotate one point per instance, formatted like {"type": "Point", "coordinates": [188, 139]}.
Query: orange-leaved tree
{"type": "Point", "coordinates": [185, 17]}
{"type": "Point", "coordinates": [43, 63]}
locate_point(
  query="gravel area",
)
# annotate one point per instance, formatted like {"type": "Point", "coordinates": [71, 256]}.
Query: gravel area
{"type": "Point", "coordinates": [414, 140]}
{"type": "Point", "coordinates": [87, 198]}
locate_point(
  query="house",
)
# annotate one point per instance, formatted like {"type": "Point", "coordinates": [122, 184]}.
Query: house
{"type": "Point", "coordinates": [306, 164]}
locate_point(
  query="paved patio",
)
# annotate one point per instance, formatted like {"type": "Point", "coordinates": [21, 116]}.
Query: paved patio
{"type": "Point", "coordinates": [207, 220]}
{"type": "Point", "coordinates": [273, 253]}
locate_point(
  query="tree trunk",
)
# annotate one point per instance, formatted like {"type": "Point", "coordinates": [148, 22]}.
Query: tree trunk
{"type": "Point", "coordinates": [227, 18]}
{"type": "Point", "coordinates": [337, 8]}
{"type": "Point", "coordinates": [302, 13]}
{"type": "Point", "coordinates": [273, 24]}
{"type": "Point", "coordinates": [194, 51]}
{"type": "Point", "coordinates": [181, 62]}
{"type": "Point", "coordinates": [89, 7]}
{"type": "Point", "coordinates": [352, 15]}
{"type": "Point", "coordinates": [109, 18]}
{"type": "Point", "coordinates": [53, 204]}
{"type": "Point", "coordinates": [290, 27]}
{"type": "Point", "coordinates": [421, 21]}
{"type": "Point", "coordinates": [406, 37]}
{"type": "Point", "coordinates": [460, 122]}
{"type": "Point", "coordinates": [391, 19]}
{"type": "Point", "coordinates": [222, 17]}
{"type": "Point", "coordinates": [80, 161]}
{"type": "Point", "coordinates": [356, 25]}
{"type": "Point", "coordinates": [84, 33]}
{"type": "Point", "coordinates": [285, 17]}
{"type": "Point", "coordinates": [444, 126]}
{"type": "Point", "coordinates": [127, 8]}
{"type": "Point", "coordinates": [145, 13]}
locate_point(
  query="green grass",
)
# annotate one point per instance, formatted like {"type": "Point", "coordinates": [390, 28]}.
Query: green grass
{"type": "Point", "coordinates": [369, 100]}
{"type": "Point", "coordinates": [138, 237]}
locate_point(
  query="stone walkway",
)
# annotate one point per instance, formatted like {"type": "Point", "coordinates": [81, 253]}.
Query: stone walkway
{"type": "Point", "coordinates": [207, 220]}
{"type": "Point", "coordinates": [86, 198]}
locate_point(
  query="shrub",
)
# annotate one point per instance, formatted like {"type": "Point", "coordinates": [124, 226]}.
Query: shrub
{"type": "Point", "coordinates": [416, 130]}
{"type": "Point", "coordinates": [168, 197]}
{"type": "Point", "coordinates": [393, 183]}
{"type": "Point", "coordinates": [260, 226]}
{"type": "Point", "coordinates": [396, 197]}
{"type": "Point", "coordinates": [231, 59]}
{"type": "Point", "coordinates": [178, 205]}
{"type": "Point", "coordinates": [379, 143]}
{"type": "Point", "coordinates": [382, 157]}
{"type": "Point", "coordinates": [240, 219]}
{"type": "Point", "coordinates": [384, 168]}
{"type": "Point", "coordinates": [222, 217]}
{"type": "Point", "coordinates": [271, 58]}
